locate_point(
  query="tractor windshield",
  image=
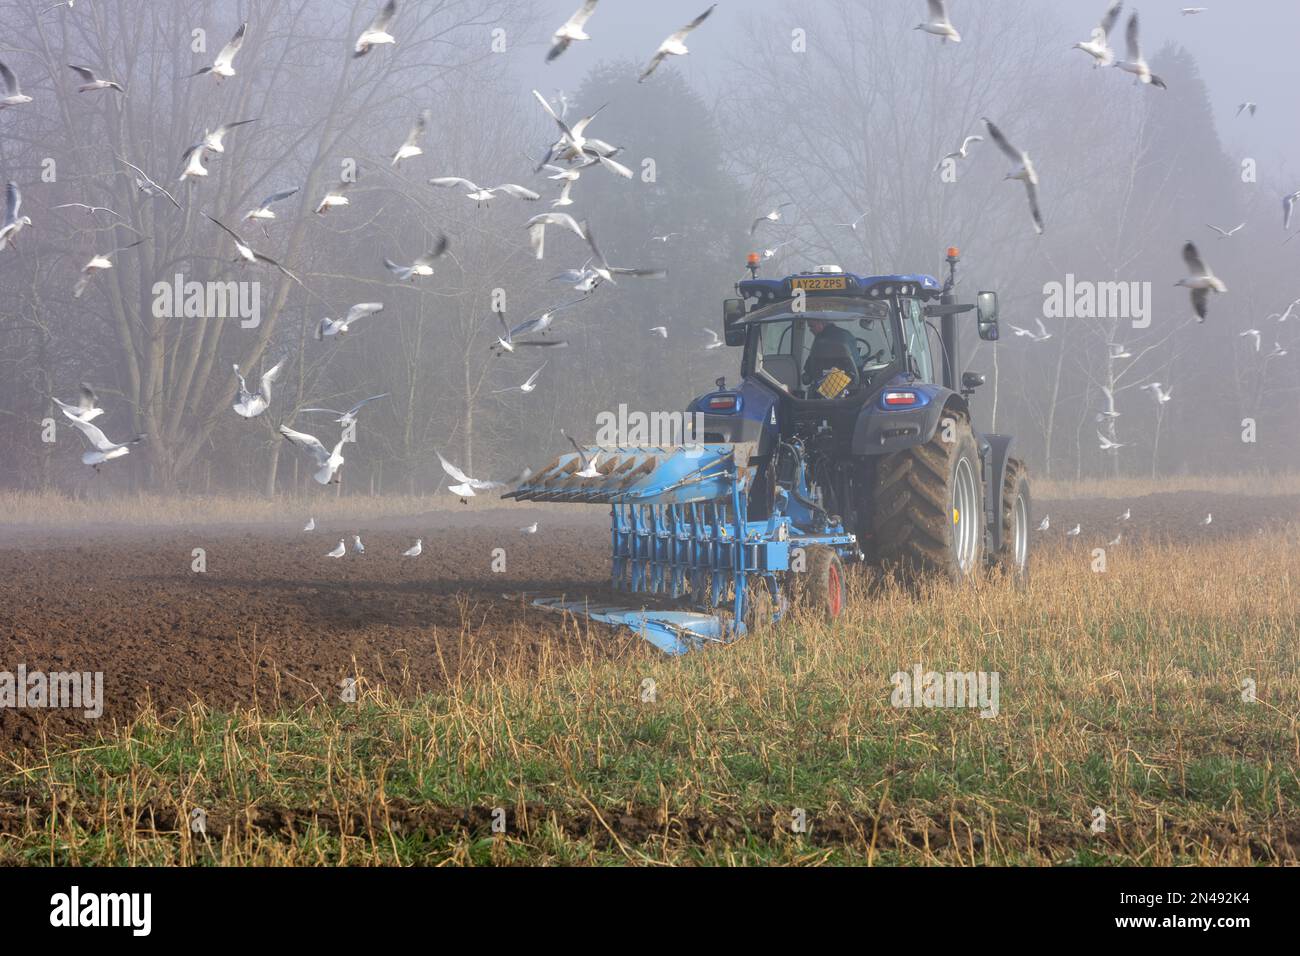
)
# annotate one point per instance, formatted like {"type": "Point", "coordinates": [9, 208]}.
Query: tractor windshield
{"type": "Point", "coordinates": [830, 349]}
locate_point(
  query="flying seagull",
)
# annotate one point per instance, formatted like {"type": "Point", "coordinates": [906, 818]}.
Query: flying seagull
{"type": "Point", "coordinates": [90, 210]}
{"type": "Point", "coordinates": [714, 341]}
{"type": "Point", "coordinates": [193, 160]}
{"type": "Point", "coordinates": [147, 185]}
{"type": "Point", "coordinates": [263, 211]}
{"type": "Point", "coordinates": [1135, 64]}
{"type": "Point", "coordinates": [483, 194]}
{"type": "Point", "coordinates": [537, 229]}
{"type": "Point", "coordinates": [93, 82]}
{"type": "Point", "coordinates": [411, 147]}
{"type": "Point", "coordinates": [961, 153]}
{"type": "Point", "coordinates": [938, 24]}
{"type": "Point", "coordinates": [571, 30]}
{"type": "Point", "coordinates": [1109, 414]}
{"type": "Point", "coordinates": [856, 222]}
{"type": "Point", "coordinates": [103, 449]}
{"type": "Point", "coordinates": [1253, 333]}
{"type": "Point", "coordinates": [14, 95]}
{"type": "Point", "coordinates": [773, 216]}
{"type": "Point", "coordinates": [1042, 335]}
{"type": "Point", "coordinates": [1226, 233]}
{"type": "Point", "coordinates": [377, 33]}
{"type": "Point", "coordinates": [335, 197]}
{"type": "Point", "coordinates": [1118, 350]}
{"type": "Point", "coordinates": [85, 410]}
{"type": "Point", "coordinates": [1023, 171]}
{"type": "Point", "coordinates": [527, 387]}
{"type": "Point", "coordinates": [1247, 106]}
{"type": "Point", "coordinates": [350, 416]}
{"type": "Point", "coordinates": [1098, 45]}
{"type": "Point", "coordinates": [12, 224]}
{"type": "Point", "coordinates": [675, 45]}
{"type": "Point", "coordinates": [467, 485]}
{"type": "Point", "coordinates": [1109, 445]}
{"type": "Point", "coordinates": [330, 327]}
{"type": "Point", "coordinates": [98, 262]}
{"type": "Point", "coordinates": [250, 405]}
{"type": "Point", "coordinates": [327, 462]}
{"type": "Point", "coordinates": [1288, 206]}
{"type": "Point", "coordinates": [224, 65]}
{"type": "Point", "coordinates": [248, 254]}
{"type": "Point", "coordinates": [1161, 394]}
{"type": "Point", "coordinates": [422, 266]}
{"type": "Point", "coordinates": [589, 469]}
{"type": "Point", "coordinates": [660, 330]}
{"type": "Point", "coordinates": [1201, 280]}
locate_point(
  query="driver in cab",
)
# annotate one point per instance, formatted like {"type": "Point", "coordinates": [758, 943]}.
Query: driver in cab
{"type": "Point", "coordinates": [832, 347]}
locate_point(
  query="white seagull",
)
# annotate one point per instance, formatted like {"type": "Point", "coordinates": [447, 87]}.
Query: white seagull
{"type": "Point", "coordinates": [1118, 350]}
{"type": "Point", "coordinates": [1226, 233]}
{"type": "Point", "coordinates": [773, 216]}
{"type": "Point", "coordinates": [855, 223]}
{"type": "Point", "coordinates": [1202, 281]}
{"type": "Point", "coordinates": [98, 262]}
{"type": "Point", "coordinates": [85, 410]}
{"type": "Point", "coordinates": [1042, 335]}
{"type": "Point", "coordinates": [357, 546]}
{"type": "Point", "coordinates": [377, 33]}
{"type": "Point", "coordinates": [714, 341]}
{"type": "Point", "coordinates": [1253, 333]}
{"type": "Point", "coordinates": [1108, 445]}
{"type": "Point", "coordinates": [327, 462]}
{"type": "Point", "coordinates": [1208, 519]}
{"type": "Point", "coordinates": [350, 416]}
{"type": "Point", "coordinates": [1098, 45]}
{"type": "Point", "coordinates": [263, 212]}
{"type": "Point", "coordinates": [571, 30]}
{"type": "Point", "coordinates": [1045, 523]}
{"type": "Point", "coordinates": [104, 450]}
{"type": "Point", "coordinates": [1252, 107]}
{"type": "Point", "coordinates": [414, 550]}
{"type": "Point", "coordinates": [12, 224]}
{"type": "Point", "coordinates": [1074, 532]}
{"type": "Point", "coordinates": [224, 65]}
{"type": "Point", "coordinates": [527, 387]}
{"type": "Point", "coordinates": [1135, 64]}
{"type": "Point", "coordinates": [93, 82]}
{"type": "Point", "coordinates": [467, 485]}
{"type": "Point", "coordinates": [421, 267]}
{"type": "Point", "coordinates": [248, 254]}
{"type": "Point", "coordinates": [589, 465]}
{"type": "Point", "coordinates": [537, 229]}
{"type": "Point", "coordinates": [411, 147]}
{"type": "Point", "coordinates": [1109, 414]}
{"type": "Point", "coordinates": [310, 525]}
{"type": "Point", "coordinates": [675, 45]}
{"type": "Point", "coordinates": [250, 405]}
{"type": "Point", "coordinates": [1161, 394]}
{"type": "Point", "coordinates": [330, 327]}
{"type": "Point", "coordinates": [1023, 171]}
{"type": "Point", "coordinates": [147, 185]}
{"type": "Point", "coordinates": [336, 196]}
{"type": "Point", "coordinates": [960, 153]}
{"type": "Point", "coordinates": [1128, 513]}
{"type": "Point", "coordinates": [938, 24]}
{"type": "Point", "coordinates": [530, 529]}
{"type": "Point", "coordinates": [660, 330]}
{"type": "Point", "coordinates": [1288, 206]}
{"type": "Point", "coordinates": [484, 194]}
{"type": "Point", "coordinates": [14, 95]}
{"type": "Point", "coordinates": [340, 549]}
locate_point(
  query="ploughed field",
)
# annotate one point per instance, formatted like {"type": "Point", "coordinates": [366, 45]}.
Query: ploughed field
{"type": "Point", "coordinates": [273, 622]}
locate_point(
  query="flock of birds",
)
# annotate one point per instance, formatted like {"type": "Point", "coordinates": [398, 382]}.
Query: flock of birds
{"type": "Point", "coordinates": [573, 152]}
{"type": "Point", "coordinates": [1121, 519]}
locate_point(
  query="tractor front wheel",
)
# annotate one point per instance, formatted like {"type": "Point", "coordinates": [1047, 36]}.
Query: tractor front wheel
{"type": "Point", "coordinates": [929, 505]}
{"type": "Point", "coordinates": [1013, 556]}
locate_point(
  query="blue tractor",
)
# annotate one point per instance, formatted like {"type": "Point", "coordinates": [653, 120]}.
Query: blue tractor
{"type": "Point", "coordinates": [849, 438]}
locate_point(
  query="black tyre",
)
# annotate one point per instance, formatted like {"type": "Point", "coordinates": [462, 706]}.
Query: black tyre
{"type": "Point", "coordinates": [822, 584]}
{"type": "Point", "coordinates": [929, 505]}
{"type": "Point", "coordinates": [1017, 515]}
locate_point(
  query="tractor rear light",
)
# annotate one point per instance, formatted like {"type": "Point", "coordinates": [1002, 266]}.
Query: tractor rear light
{"type": "Point", "coordinates": [722, 403]}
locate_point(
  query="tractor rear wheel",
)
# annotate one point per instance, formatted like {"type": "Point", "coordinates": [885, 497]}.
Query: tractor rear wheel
{"type": "Point", "coordinates": [822, 585]}
{"type": "Point", "coordinates": [929, 505]}
{"type": "Point", "coordinates": [1017, 511]}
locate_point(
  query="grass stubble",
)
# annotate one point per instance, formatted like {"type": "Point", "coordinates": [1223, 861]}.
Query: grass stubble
{"type": "Point", "coordinates": [1120, 689]}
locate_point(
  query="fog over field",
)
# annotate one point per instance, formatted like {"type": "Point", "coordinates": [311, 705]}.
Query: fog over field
{"type": "Point", "coordinates": [838, 108]}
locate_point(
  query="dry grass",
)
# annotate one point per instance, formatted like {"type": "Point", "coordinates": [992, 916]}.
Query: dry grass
{"type": "Point", "coordinates": [1120, 690]}
{"type": "Point", "coordinates": [1262, 485]}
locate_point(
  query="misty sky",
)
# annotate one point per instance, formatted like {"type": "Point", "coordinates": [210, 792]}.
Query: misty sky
{"type": "Point", "coordinates": [1246, 50]}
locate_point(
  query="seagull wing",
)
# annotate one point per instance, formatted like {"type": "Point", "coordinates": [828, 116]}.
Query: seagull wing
{"type": "Point", "coordinates": [86, 401]}
{"type": "Point", "coordinates": [94, 435]}
{"type": "Point", "coordinates": [365, 401]}
{"type": "Point", "coordinates": [1002, 143]}
{"type": "Point", "coordinates": [1194, 261]}
{"type": "Point", "coordinates": [451, 469]}
{"type": "Point", "coordinates": [1131, 37]}
{"type": "Point", "coordinates": [1108, 21]}
{"type": "Point", "coordinates": [310, 443]}
{"type": "Point", "coordinates": [453, 181]}
{"type": "Point", "coordinates": [13, 202]}
{"type": "Point", "coordinates": [681, 34]}
{"type": "Point", "coordinates": [230, 232]}
{"type": "Point", "coordinates": [244, 394]}
{"type": "Point", "coordinates": [227, 54]}
{"type": "Point", "coordinates": [10, 81]}
{"type": "Point", "coordinates": [363, 309]}
{"type": "Point", "coordinates": [518, 192]}
{"type": "Point", "coordinates": [582, 457]}
{"type": "Point", "coordinates": [269, 376]}
{"type": "Point", "coordinates": [533, 378]}
{"type": "Point", "coordinates": [85, 72]}
{"type": "Point", "coordinates": [385, 16]}
{"type": "Point", "coordinates": [1034, 211]}
{"type": "Point", "coordinates": [276, 197]}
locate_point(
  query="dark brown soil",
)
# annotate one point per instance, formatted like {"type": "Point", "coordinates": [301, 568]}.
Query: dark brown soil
{"type": "Point", "coordinates": [273, 621]}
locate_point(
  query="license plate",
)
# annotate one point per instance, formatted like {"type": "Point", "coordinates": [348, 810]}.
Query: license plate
{"type": "Point", "coordinates": [819, 283]}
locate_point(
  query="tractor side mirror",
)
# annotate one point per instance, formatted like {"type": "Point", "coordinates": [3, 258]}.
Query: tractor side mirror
{"type": "Point", "coordinates": [971, 381]}
{"type": "Point", "coordinates": [986, 313]}
{"type": "Point", "coordinates": [733, 310]}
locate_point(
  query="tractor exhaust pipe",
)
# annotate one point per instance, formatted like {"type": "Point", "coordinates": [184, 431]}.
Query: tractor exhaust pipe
{"type": "Point", "coordinates": [948, 325]}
